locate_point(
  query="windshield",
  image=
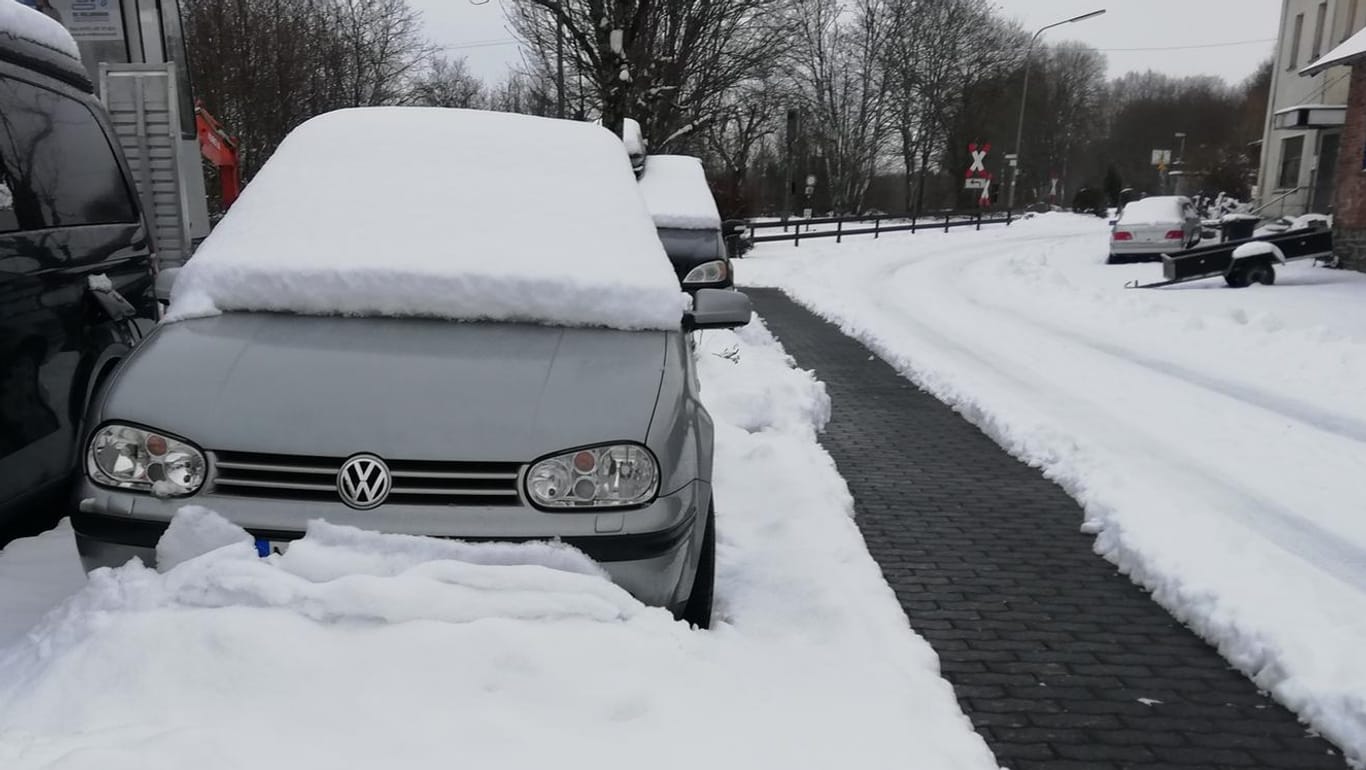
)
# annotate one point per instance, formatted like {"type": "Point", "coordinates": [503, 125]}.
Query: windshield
{"type": "Point", "coordinates": [692, 244]}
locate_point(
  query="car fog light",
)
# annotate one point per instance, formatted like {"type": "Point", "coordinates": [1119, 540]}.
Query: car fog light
{"type": "Point", "coordinates": [140, 459]}
{"type": "Point", "coordinates": [715, 271]}
{"type": "Point", "coordinates": [600, 477]}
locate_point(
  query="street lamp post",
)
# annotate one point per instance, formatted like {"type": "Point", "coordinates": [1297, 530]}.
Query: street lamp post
{"type": "Point", "coordinates": [1024, 96]}
{"type": "Point", "coordinates": [1179, 165]}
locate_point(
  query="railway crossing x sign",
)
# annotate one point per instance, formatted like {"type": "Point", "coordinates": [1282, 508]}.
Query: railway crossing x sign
{"type": "Point", "coordinates": [979, 158]}
{"type": "Point", "coordinates": [978, 178]}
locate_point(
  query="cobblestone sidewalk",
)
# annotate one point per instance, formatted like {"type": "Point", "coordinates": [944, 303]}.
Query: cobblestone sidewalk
{"type": "Point", "coordinates": [1060, 661]}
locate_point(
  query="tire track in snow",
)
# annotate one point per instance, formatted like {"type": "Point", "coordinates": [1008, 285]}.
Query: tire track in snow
{"type": "Point", "coordinates": [1305, 414]}
{"type": "Point", "coordinates": [1276, 523]}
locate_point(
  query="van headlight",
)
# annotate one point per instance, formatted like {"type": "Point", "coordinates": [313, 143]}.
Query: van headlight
{"type": "Point", "coordinates": [610, 476]}
{"type": "Point", "coordinates": [129, 457]}
{"type": "Point", "coordinates": [714, 271]}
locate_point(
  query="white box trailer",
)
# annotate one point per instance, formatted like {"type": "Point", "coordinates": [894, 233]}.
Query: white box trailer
{"type": "Point", "coordinates": [135, 52]}
{"type": "Point", "coordinates": [144, 108]}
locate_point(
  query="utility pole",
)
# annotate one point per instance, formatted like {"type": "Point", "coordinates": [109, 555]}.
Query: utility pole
{"type": "Point", "coordinates": [559, 66]}
{"type": "Point", "coordinates": [790, 143]}
{"type": "Point", "coordinates": [1024, 96]}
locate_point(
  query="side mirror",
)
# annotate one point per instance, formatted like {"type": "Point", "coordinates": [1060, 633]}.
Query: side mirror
{"type": "Point", "coordinates": [717, 309]}
{"type": "Point", "coordinates": [165, 280]}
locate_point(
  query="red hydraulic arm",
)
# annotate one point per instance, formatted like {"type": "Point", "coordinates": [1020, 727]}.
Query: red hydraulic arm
{"type": "Point", "coordinates": [219, 148]}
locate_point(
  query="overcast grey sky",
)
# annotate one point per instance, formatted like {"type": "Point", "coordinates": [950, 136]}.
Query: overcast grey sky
{"type": "Point", "coordinates": [479, 32]}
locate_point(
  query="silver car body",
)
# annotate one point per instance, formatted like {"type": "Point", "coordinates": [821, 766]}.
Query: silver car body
{"type": "Point", "coordinates": [1149, 221]}
{"type": "Point", "coordinates": [459, 411]}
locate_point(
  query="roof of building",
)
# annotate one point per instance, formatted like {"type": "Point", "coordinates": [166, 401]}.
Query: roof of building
{"type": "Point", "coordinates": [1352, 48]}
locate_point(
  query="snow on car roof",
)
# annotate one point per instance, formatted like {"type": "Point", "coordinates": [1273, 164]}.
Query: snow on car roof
{"type": "Point", "coordinates": [677, 193]}
{"type": "Point", "coordinates": [20, 21]}
{"type": "Point", "coordinates": [460, 214]}
{"type": "Point", "coordinates": [1162, 208]}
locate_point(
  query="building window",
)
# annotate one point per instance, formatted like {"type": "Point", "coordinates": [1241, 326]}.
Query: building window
{"type": "Point", "coordinates": [1292, 152]}
{"type": "Point", "coordinates": [1319, 20]}
{"type": "Point", "coordinates": [1351, 25]}
{"type": "Point", "coordinates": [1295, 42]}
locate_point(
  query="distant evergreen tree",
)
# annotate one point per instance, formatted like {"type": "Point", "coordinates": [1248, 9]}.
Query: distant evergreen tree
{"type": "Point", "coordinates": [1114, 185]}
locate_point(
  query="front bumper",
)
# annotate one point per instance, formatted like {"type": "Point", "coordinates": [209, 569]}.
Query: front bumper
{"type": "Point", "coordinates": [652, 551]}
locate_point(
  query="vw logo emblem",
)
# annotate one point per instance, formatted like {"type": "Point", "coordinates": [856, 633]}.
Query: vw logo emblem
{"type": "Point", "coordinates": [363, 482]}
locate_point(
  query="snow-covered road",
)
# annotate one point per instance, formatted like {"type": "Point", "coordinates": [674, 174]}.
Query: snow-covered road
{"type": "Point", "coordinates": [357, 650]}
{"type": "Point", "coordinates": [1216, 438]}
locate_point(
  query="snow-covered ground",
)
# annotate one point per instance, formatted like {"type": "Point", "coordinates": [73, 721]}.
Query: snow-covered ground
{"type": "Point", "coordinates": [357, 650]}
{"type": "Point", "coordinates": [1216, 438]}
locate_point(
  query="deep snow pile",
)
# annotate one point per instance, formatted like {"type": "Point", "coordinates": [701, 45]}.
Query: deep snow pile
{"type": "Point", "coordinates": [1215, 437]}
{"type": "Point", "coordinates": [364, 650]}
{"type": "Point", "coordinates": [459, 214]}
{"type": "Point", "coordinates": [677, 194]}
{"type": "Point", "coordinates": [35, 574]}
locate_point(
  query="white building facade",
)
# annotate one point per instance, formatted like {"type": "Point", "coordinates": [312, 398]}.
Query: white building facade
{"type": "Point", "coordinates": [1305, 114]}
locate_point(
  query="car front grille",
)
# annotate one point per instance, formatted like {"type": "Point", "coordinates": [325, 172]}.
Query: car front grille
{"type": "Point", "coordinates": [415, 482]}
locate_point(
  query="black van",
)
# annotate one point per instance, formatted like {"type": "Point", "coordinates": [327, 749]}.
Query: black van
{"type": "Point", "coordinates": [73, 246]}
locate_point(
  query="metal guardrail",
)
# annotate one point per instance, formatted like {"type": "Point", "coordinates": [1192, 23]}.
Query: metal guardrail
{"type": "Point", "coordinates": [945, 221]}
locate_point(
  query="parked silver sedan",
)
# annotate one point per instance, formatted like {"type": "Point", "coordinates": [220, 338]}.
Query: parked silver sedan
{"type": "Point", "coordinates": [468, 429]}
{"type": "Point", "coordinates": [1148, 228]}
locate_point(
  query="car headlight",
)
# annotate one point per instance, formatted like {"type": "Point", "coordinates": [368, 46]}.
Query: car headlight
{"type": "Point", "coordinates": [598, 477]}
{"type": "Point", "coordinates": [129, 457]}
{"type": "Point", "coordinates": [708, 272]}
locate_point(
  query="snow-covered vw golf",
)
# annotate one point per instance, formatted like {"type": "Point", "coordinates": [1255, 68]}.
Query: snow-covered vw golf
{"type": "Point", "coordinates": [467, 330]}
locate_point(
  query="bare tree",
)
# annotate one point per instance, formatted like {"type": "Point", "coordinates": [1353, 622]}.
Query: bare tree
{"type": "Point", "coordinates": [843, 92]}
{"type": "Point", "coordinates": [523, 92]}
{"type": "Point", "coordinates": [665, 64]}
{"type": "Point", "coordinates": [446, 83]}
{"type": "Point", "coordinates": [935, 51]}
{"type": "Point", "coordinates": [745, 118]}
{"type": "Point", "coordinates": [1073, 90]}
{"type": "Point", "coordinates": [265, 66]}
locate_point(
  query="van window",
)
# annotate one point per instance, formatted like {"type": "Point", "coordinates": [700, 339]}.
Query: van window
{"type": "Point", "coordinates": [56, 166]}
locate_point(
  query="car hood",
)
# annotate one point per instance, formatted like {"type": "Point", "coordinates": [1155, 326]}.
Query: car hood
{"type": "Point", "coordinates": [417, 389]}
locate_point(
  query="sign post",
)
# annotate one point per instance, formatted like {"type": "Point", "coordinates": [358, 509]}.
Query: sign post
{"type": "Point", "coordinates": [1162, 159]}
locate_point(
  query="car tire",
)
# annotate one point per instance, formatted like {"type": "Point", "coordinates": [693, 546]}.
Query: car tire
{"type": "Point", "coordinates": [1114, 259]}
{"type": "Point", "coordinates": [697, 611]}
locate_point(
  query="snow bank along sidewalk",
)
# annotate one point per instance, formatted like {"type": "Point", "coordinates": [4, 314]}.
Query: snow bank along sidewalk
{"type": "Point", "coordinates": [1215, 437]}
{"type": "Point", "coordinates": [363, 650]}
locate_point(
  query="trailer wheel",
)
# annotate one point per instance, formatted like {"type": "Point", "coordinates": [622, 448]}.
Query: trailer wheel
{"type": "Point", "coordinates": [1261, 272]}
{"type": "Point", "coordinates": [1237, 276]}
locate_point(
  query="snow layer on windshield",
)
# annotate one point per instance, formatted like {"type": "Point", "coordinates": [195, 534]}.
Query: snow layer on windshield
{"type": "Point", "coordinates": [677, 193]}
{"type": "Point", "coordinates": [456, 214]}
{"type": "Point", "coordinates": [361, 650]}
{"type": "Point", "coordinates": [27, 24]}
